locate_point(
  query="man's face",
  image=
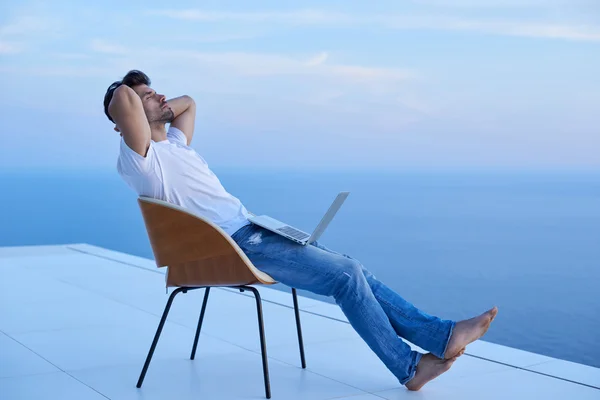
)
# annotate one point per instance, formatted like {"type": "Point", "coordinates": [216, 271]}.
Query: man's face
{"type": "Point", "coordinates": [155, 105]}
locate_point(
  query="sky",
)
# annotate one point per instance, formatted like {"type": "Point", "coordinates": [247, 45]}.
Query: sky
{"type": "Point", "coordinates": [396, 84]}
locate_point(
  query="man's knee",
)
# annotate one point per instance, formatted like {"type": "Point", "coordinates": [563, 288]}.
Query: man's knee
{"type": "Point", "coordinates": [352, 268]}
{"type": "Point", "coordinates": [348, 275]}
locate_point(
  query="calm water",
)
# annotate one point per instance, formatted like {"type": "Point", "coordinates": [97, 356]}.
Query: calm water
{"type": "Point", "coordinates": [453, 244]}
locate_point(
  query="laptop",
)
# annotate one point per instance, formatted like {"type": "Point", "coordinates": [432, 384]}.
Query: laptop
{"type": "Point", "coordinates": [297, 235]}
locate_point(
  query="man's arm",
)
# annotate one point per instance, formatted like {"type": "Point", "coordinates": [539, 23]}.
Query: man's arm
{"type": "Point", "coordinates": [184, 111]}
{"type": "Point", "coordinates": [127, 111]}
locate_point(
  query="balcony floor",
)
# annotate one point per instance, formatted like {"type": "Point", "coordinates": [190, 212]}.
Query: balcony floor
{"type": "Point", "coordinates": [76, 322]}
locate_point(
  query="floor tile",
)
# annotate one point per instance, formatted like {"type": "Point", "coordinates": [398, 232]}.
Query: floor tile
{"type": "Point", "coordinates": [94, 273]}
{"type": "Point", "coordinates": [73, 349]}
{"type": "Point", "coordinates": [240, 326]}
{"type": "Point", "coordinates": [46, 386]}
{"type": "Point", "coordinates": [33, 251]}
{"type": "Point", "coordinates": [114, 255]}
{"type": "Point", "coordinates": [17, 360]}
{"type": "Point", "coordinates": [504, 354]}
{"type": "Point", "coordinates": [354, 363]}
{"type": "Point", "coordinates": [571, 371]}
{"type": "Point", "coordinates": [216, 377]}
{"type": "Point", "coordinates": [348, 361]}
{"type": "Point", "coordinates": [511, 384]}
{"type": "Point", "coordinates": [25, 288]}
{"type": "Point", "coordinates": [90, 310]}
{"type": "Point", "coordinates": [329, 310]}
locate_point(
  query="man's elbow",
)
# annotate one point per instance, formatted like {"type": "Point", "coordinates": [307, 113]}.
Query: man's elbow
{"type": "Point", "coordinates": [190, 101]}
{"type": "Point", "coordinates": [123, 92]}
{"type": "Point", "coordinates": [122, 95]}
{"type": "Point", "coordinates": [124, 101]}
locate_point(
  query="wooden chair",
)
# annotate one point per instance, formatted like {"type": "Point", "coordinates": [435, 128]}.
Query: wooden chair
{"type": "Point", "coordinates": [199, 254]}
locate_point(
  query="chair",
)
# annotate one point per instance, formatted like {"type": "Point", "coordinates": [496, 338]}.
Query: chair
{"type": "Point", "coordinates": [199, 254]}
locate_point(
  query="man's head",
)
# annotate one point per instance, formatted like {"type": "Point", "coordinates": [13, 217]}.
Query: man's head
{"type": "Point", "coordinates": [155, 105]}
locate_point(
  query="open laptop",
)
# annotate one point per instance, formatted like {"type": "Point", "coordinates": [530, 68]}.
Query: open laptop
{"type": "Point", "coordinates": [297, 235]}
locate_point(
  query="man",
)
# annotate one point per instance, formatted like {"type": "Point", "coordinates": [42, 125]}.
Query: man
{"type": "Point", "coordinates": [160, 163]}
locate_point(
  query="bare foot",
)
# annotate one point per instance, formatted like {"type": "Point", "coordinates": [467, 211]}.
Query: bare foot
{"type": "Point", "coordinates": [429, 368]}
{"type": "Point", "coordinates": [468, 331]}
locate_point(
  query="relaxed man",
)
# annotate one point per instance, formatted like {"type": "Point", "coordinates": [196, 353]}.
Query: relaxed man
{"type": "Point", "coordinates": [160, 163]}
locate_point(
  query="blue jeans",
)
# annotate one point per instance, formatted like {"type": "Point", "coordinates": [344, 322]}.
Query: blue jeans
{"type": "Point", "coordinates": [377, 313]}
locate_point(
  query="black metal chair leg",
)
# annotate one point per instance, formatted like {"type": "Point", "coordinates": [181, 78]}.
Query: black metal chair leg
{"type": "Point", "coordinates": [207, 291]}
{"type": "Point", "coordinates": [158, 332]}
{"type": "Point", "coordinates": [299, 328]}
{"type": "Point", "coordinates": [263, 346]}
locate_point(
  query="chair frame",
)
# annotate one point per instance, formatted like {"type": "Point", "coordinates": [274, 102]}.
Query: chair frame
{"type": "Point", "coordinates": [261, 328]}
{"type": "Point", "coordinates": [241, 288]}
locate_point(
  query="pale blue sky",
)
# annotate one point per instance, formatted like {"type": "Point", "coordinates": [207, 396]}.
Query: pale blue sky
{"type": "Point", "coordinates": [344, 84]}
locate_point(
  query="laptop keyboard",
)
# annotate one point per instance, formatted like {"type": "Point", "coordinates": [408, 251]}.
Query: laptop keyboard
{"type": "Point", "coordinates": [296, 234]}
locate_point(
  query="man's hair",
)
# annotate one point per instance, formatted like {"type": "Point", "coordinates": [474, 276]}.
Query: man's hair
{"type": "Point", "coordinates": [133, 78]}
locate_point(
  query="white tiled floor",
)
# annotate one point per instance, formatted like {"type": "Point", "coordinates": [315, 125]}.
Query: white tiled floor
{"type": "Point", "coordinates": [508, 384]}
{"type": "Point", "coordinates": [18, 360]}
{"type": "Point", "coordinates": [57, 385]}
{"type": "Point", "coordinates": [507, 355]}
{"type": "Point", "coordinates": [76, 322]}
{"type": "Point", "coordinates": [227, 376]}
{"type": "Point", "coordinates": [570, 371]}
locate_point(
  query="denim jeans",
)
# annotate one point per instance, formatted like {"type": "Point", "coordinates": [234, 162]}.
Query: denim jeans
{"type": "Point", "coordinates": [377, 313]}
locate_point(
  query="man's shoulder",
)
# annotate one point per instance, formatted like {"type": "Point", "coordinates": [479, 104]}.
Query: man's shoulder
{"type": "Point", "coordinates": [130, 162]}
{"type": "Point", "coordinates": [175, 135]}
{"type": "Point", "coordinates": [142, 174]}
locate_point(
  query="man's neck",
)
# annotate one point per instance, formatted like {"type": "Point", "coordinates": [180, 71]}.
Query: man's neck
{"type": "Point", "coordinates": [158, 132]}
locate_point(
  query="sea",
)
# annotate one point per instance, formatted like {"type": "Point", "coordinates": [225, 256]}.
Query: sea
{"type": "Point", "coordinates": [452, 243]}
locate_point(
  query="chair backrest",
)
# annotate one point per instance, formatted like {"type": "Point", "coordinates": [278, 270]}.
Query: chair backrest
{"type": "Point", "coordinates": [196, 251]}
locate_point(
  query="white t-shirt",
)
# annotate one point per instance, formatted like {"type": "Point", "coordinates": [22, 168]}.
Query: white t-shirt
{"type": "Point", "coordinates": [174, 172]}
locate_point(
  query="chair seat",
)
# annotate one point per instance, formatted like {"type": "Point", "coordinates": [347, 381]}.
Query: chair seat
{"type": "Point", "coordinates": [213, 272]}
